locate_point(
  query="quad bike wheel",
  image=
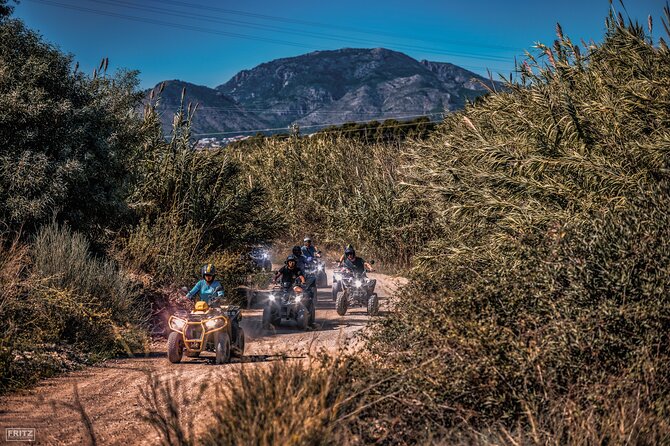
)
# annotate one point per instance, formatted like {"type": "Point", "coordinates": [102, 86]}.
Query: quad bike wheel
{"type": "Point", "coordinates": [270, 318]}
{"type": "Point", "coordinates": [322, 279]}
{"type": "Point", "coordinates": [222, 348]}
{"type": "Point", "coordinates": [335, 290]}
{"type": "Point", "coordinates": [373, 305]}
{"type": "Point", "coordinates": [238, 350]}
{"type": "Point", "coordinates": [341, 303]}
{"type": "Point", "coordinates": [175, 347]}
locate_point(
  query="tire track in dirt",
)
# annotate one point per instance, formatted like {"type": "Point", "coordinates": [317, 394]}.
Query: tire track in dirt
{"type": "Point", "coordinates": [110, 393]}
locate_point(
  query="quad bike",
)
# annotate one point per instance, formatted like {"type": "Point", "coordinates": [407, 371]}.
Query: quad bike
{"type": "Point", "coordinates": [313, 273]}
{"type": "Point", "coordinates": [260, 256]}
{"type": "Point", "coordinates": [289, 301]}
{"type": "Point", "coordinates": [207, 328]}
{"type": "Point", "coordinates": [316, 268]}
{"type": "Point", "coordinates": [356, 290]}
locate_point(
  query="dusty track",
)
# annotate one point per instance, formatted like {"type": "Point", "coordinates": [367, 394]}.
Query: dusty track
{"type": "Point", "coordinates": [110, 393]}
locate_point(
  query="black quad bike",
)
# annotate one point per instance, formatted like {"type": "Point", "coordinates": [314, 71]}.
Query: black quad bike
{"type": "Point", "coordinates": [356, 289]}
{"type": "Point", "coordinates": [291, 302]}
{"type": "Point", "coordinates": [312, 277]}
{"type": "Point", "coordinates": [260, 257]}
{"type": "Point", "coordinates": [207, 328]}
{"type": "Point", "coordinates": [316, 268]}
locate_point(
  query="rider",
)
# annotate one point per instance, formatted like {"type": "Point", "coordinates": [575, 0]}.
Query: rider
{"type": "Point", "coordinates": [342, 257]}
{"type": "Point", "coordinates": [290, 272]}
{"type": "Point", "coordinates": [301, 262]}
{"type": "Point", "coordinates": [208, 288]}
{"type": "Point", "coordinates": [300, 259]}
{"type": "Point", "coordinates": [355, 264]}
{"type": "Point", "coordinates": [309, 250]}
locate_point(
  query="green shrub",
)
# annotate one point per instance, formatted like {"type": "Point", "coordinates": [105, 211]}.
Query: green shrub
{"type": "Point", "coordinates": [191, 205]}
{"type": "Point", "coordinates": [61, 130]}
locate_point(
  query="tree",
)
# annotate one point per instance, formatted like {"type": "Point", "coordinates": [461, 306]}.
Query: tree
{"type": "Point", "coordinates": [5, 9]}
{"type": "Point", "coordinates": [65, 138]}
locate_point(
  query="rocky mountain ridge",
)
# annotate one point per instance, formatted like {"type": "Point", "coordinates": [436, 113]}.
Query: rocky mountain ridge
{"type": "Point", "coordinates": [324, 88]}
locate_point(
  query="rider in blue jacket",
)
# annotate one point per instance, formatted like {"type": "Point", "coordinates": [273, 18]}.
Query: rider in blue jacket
{"type": "Point", "coordinates": [309, 250]}
{"type": "Point", "coordinates": [208, 288]}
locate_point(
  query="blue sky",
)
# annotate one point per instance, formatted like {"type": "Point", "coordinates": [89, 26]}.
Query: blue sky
{"type": "Point", "coordinates": [207, 42]}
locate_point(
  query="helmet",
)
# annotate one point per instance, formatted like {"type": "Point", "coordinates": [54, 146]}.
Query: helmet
{"type": "Point", "coordinates": [349, 251]}
{"type": "Point", "coordinates": [208, 269]}
{"type": "Point", "coordinates": [307, 239]}
{"type": "Point", "coordinates": [349, 246]}
{"type": "Point", "coordinates": [201, 305]}
{"type": "Point", "coordinates": [297, 251]}
{"type": "Point", "coordinates": [291, 258]}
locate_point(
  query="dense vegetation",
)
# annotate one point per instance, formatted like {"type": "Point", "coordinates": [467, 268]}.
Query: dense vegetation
{"type": "Point", "coordinates": [341, 190]}
{"type": "Point", "coordinates": [93, 199]}
{"type": "Point", "coordinates": [538, 307]}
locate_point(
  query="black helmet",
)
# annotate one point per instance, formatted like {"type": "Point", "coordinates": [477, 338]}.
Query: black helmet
{"type": "Point", "coordinates": [349, 246]}
{"type": "Point", "coordinates": [291, 258]}
{"type": "Point", "coordinates": [297, 251]}
{"type": "Point", "coordinates": [349, 251]}
{"type": "Point", "coordinates": [208, 270]}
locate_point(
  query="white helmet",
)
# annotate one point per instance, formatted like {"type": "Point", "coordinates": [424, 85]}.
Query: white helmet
{"type": "Point", "coordinates": [307, 239]}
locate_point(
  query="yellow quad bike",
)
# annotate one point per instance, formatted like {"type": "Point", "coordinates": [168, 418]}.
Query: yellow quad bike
{"type": "Point", "coordinates": [213, 329]}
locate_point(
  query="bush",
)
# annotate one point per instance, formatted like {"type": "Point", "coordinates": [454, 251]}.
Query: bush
{"type": "Point", "coordinates": [191, 205]}
{"type": "Point", "coordinates": [58, 295]}
{"type": "Point", "coordinates": [285, 403]}
{"type": "Point", "coordinates": [60, 130]}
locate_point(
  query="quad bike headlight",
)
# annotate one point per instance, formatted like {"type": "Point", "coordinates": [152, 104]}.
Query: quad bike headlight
{"type": "Point", "coordinates": [272, 297]}
{"type": "Point", "coordinates": [298, 298]}
{"type": "Point", "coordinates": [177, 324]}
{"type": "Point", "coordinates": [213, 323]}
{"type": "Point", "coordinates": [320, 267]}
{"type": "Point", "coordinates": [358, 283]}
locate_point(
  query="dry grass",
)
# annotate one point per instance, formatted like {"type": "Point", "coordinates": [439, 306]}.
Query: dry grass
{"type": "Point", "coordinates": [55, 295]}
{"type": "Point", "coordinates": [341, 191]}
{"type": "Point", "coordinates": [285, 402]}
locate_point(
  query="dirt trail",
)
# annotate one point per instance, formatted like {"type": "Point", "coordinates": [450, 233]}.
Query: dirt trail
{"type": "Point", "coordinates": [110, 393]}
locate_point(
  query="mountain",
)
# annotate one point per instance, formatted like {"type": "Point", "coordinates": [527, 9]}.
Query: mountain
{"type": "Point", "coordinates": [351, 85]}
{"type": "Point", "coordinates": [216, 112]}
{"type": "Point", "coordinates": [330, 87]}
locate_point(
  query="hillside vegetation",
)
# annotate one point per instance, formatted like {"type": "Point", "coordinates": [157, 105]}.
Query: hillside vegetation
{"type": "Point", "coordinates": [536, 224]}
